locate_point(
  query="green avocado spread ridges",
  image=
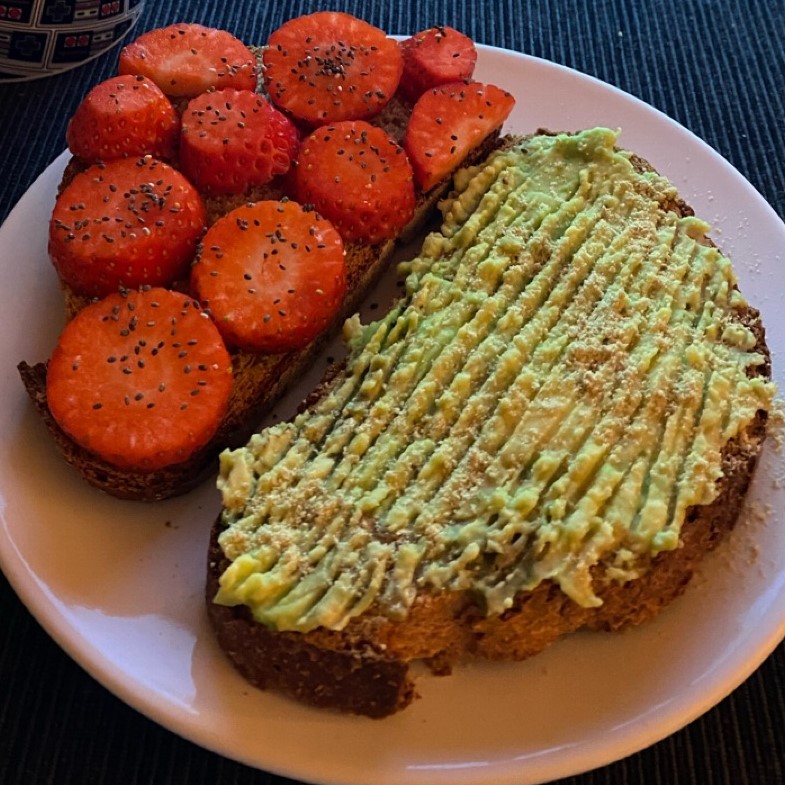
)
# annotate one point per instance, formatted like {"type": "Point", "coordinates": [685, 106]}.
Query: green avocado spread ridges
{"type": "Point", "coordinates": [553, 392]}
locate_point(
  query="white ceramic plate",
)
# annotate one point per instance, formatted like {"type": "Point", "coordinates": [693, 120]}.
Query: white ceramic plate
{"type": "Point", "coordinates": [119, 585]}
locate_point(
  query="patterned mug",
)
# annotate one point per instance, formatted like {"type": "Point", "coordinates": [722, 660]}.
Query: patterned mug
{"type": "Point", "coordinates": [44, 37]}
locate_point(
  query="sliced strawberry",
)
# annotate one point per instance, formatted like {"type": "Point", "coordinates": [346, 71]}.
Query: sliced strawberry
{"type": "Point", "coordinates": [129, 222]}
{"type": "Point", "coordinates": [435, 57]}
{"type": "Point", "coordinates": [357, 177]}
{"type": "Point", "coordinates": [331, 66]}
{"type": "Point", "coordinates": [187, 59]}
{"type": "Point", "coordinates": [272, 274]}
{"type": "Point", "coordinates": [141, 379]}
{"type": "Point", "coordinates": [233, 140]}
{"type": "Point", "coordinates": [448, 122]}
{"type": "Point", "coordinates": [121, 117]}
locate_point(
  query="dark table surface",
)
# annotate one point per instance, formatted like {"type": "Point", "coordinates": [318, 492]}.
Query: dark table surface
{"type": "Point", "coordinates": [715, 66]}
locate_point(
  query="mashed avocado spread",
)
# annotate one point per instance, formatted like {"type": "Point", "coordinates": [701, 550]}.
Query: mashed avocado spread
{"type": "Point", "coordinates": [553, 391]}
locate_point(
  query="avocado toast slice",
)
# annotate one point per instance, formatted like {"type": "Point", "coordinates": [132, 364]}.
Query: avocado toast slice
{"type": "Point", "coordinates": [548, 432]}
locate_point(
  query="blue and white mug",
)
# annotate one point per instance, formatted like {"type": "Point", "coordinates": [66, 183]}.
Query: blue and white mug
{"type": "Point", "coordinates": [44, 37]}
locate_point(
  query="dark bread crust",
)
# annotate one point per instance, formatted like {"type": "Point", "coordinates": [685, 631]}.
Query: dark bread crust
{"type": "Point", "coordinates": [360, 680]}
{"type": "Point", "coordinates": [259, 379]}
{"type": "Point", "coordinates": [363, 668]}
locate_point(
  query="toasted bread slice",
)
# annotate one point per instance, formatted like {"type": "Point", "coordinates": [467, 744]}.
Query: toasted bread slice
{"type": "Point", "coordinates": [361, 663]}
{"type": "Point", "coordinates": [260, 379]}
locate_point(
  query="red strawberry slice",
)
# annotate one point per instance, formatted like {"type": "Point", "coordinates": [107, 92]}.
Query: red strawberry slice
{"type": "Point", "coordinates": [121, 117]}
{"type": "Point", "coordinates": [331, 66]}
{"type": "Point", "coordinates": [187, 59]}
{"type": "Point", "coordinates": [434, 57]}
{"type": "Point", "coordinates": [357, 177]}
{"type": "Point", "coordinates": [447, 122]}
{"type": "Point", "coordinates": [140, 378]}
{"type": "Point", "coordinates": [233, 140]}
{"type": "Point", "coordinates": [128, 222]}
{"type": "Point", "coordinates": [272, 274]}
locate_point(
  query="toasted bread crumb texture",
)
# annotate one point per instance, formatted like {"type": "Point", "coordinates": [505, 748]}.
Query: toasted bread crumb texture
{"type": "Point", "coordinates": [553, 393]}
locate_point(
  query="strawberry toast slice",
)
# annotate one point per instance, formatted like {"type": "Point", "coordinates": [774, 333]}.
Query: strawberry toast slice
{"type": "Point", "coordinates": [254, 256]}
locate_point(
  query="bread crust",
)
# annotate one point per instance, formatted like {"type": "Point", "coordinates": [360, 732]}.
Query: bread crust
{"type": "Point", "coordinates": [444, 628]}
